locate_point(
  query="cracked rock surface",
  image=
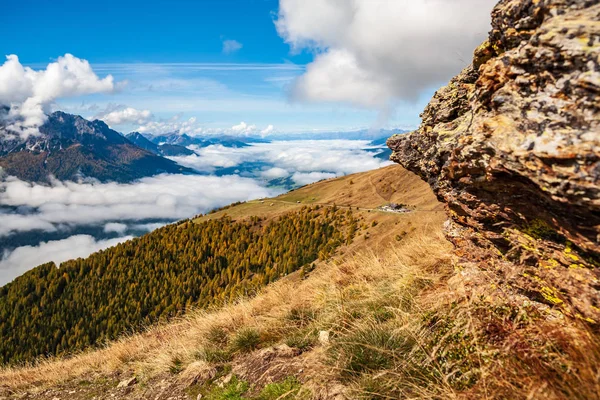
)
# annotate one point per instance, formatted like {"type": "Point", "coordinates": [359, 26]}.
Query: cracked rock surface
{"type": "Point", "coordinates": [512, 147]}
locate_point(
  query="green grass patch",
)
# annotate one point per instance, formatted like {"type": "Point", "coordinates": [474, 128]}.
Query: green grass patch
{"type": "Point", "coordinates": [234, 390]}
{"type": "Point", "coordinates": [290, 388]}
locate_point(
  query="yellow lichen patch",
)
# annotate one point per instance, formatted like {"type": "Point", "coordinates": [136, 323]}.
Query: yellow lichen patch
{"type": "Point", "coordinates": [591, 321]}
{"type": "Point", "coordinates": [568, 248]}
{"type": "Point", "coordinates": [526, 236]}
{"type": "Point", "coordinates": [551, 295]}
{"type": "Point", "coordinates": [573, 257]}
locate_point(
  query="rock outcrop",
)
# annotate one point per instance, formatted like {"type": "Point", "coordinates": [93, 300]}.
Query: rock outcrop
{"type": "Point", "coordinates": [512, 146]}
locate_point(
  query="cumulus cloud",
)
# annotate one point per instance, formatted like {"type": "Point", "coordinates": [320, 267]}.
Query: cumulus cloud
{"type": "Point", "coordinates": [120, 115]}
{"type": "Point", "coordinates": [167, 197]}
{"type": "Point", "coordinates": [207, 159]}
{"type": "Point", "coordinates": [231, 46]}
{"type": "Point", "coordinates": [24, 258]}
{"type": "Point", "coordinates": [22, 223]}
{"type": "Point", "coordinates": [267, 130]}
{"type": "Point", "coordinates": [243, 128]}
{"type": "Point", "coordinates": [30, 93]}
{"type": "Point", "coordinates": [372, 53]}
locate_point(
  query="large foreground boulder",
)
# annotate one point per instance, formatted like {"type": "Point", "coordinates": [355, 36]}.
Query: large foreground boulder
{"type": "Point", "coordinates": [512, 147]}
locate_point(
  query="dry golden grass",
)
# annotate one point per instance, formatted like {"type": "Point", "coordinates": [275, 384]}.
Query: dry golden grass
{"type": "Point", "coordinates": [368, 190]}
{"type": "Point", "coordinates": [404, 318]}
{"type": "Point", "coordinates": [152, 353]}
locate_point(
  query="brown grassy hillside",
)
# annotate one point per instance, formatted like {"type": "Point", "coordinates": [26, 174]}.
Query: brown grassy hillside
{"type": "Point", "coordinates": [390, 316]}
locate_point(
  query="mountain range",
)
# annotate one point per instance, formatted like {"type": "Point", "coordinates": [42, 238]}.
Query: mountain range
{"type": "Point", "coordinates": [182, 139]}
{"type": "Point", "coordinates": [70, 147]}
{"type": "Point", "coordinates": [162, 149]}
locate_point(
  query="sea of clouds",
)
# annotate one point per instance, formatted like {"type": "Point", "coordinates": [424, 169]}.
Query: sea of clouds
{"type": "Point", "coordinates": [121, 208]}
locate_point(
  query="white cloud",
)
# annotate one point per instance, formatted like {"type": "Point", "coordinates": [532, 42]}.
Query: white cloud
{"type": "Point", "coordinates": [231, 46]}
{"type": "Point", "coordinates": [267, 130]}
{"type": "Point", "coordinates": [148, 227]}
{"type": "Point", "coordinates": [116, 227]}
{"type": "Point", "coordinates": [193, 127]}
{"type": "Point", "coordinates": [23, 223]}
{"type": "Point", "coordinates": [173, 124]}
{"type": "Point", "coordinates": [30, 93]}
{"type": "Point", "coordinates": [334, 156]}
{"type": "Point", "coordinates": [243, 128]}
{"type": "Point", "coordinates": [119, 115]}
{"type": "Point", "coordinates": [372, 53]}
{"type": "Point", "coordinates": [167, 197]}
{"type": "Point", "coordinates": [24, 258]}
{"type": "Point", "coordinates": [304, 178]}
{"type": "Point", "coordinates": [208, 158]}
{"type": "Point", "coordinates": [274, 173]}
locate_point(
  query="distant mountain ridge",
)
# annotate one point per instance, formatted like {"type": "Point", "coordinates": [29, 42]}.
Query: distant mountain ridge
{"type": "Point", "coordinates": [378, 136]}
{"type": "Point", "coordinates": [164, 149]}
{"type": "Point", "coordinates": [70, 147]}
{"type": "Point", "coordinates": [183, 139]}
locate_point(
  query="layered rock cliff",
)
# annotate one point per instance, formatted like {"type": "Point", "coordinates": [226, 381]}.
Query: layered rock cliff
{"type": "Point", "coordinates": [512, 147]}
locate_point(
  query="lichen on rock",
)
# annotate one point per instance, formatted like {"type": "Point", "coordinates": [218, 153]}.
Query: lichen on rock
{"type": "Point", "coordinates": [512, 147]}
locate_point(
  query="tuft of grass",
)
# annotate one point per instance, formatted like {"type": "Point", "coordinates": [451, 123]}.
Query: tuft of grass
{"type": "Point", "coordinates": [301, 315]}
{"type": "Point", "coordinates": [376, 387]}
{"type": "Point", "coordinates": [245, 340]}
{"type": "Point", "coordinates": [369, 348]}
{"type": "Point", "coordinates": [217, 335]}
{"type": "Point", "coordinates": [301, 340]}
{"type": "Point", "coordinates": [176, 365]}
{"type": "Point", "coordinates": [213, 355]}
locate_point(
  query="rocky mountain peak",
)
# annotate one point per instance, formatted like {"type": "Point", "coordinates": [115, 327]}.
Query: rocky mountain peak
{"type": "Point", "coordinates": [512, 146]}
{"type": "Point", "coordinates": [73, 127]}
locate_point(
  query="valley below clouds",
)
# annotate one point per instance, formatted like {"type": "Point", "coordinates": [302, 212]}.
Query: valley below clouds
{"type": "Point", "coordinates": [64, 220]}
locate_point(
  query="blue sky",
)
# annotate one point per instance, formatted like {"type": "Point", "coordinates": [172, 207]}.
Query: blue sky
{"type": "Point", "coordinates": [112, 31]}
{"type": "Point", "coordinates": [171, 54]}
{"type": "Point", "coordinates": [295, 66]}
{"type": "Point", "coordinates": [213, 64]}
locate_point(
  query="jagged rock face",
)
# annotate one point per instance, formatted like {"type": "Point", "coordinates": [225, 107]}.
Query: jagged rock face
{"type": "Point", "coordinates": [512, 146]}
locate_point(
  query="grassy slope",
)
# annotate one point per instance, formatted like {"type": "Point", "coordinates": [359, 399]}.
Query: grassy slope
{"type": "Point", "coordinates": [363, 192]}
{"type": "Point", "coordinates": [403, 321]}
